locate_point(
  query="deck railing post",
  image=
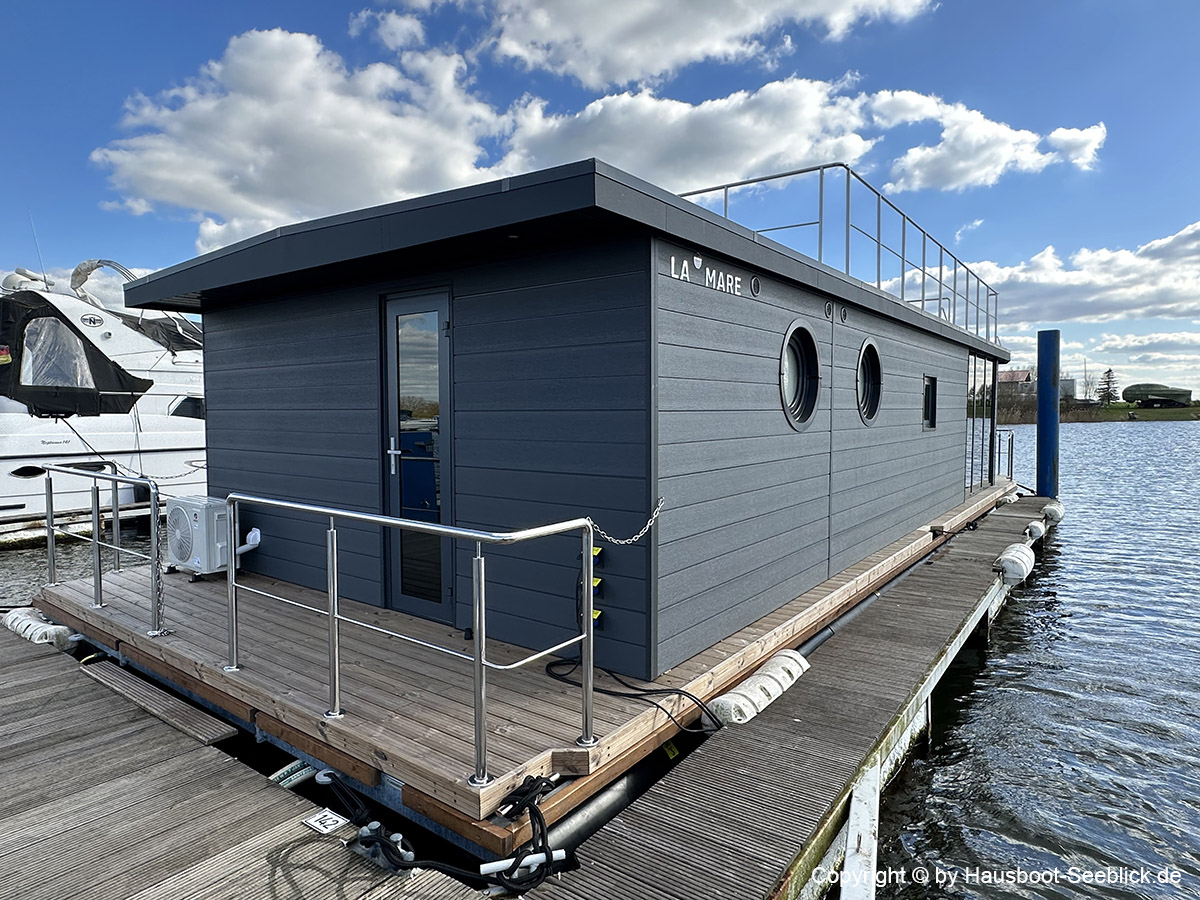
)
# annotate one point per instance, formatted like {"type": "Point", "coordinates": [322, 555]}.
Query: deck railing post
{"type": "Point", "coordinates": [97, 577]}
{"type": "Point", "coordinates": [231, 539]}
{"type": "Point", "coordinates": [587, 649]}
{"type": "Point", "coordinates": [479, 625]}
{"type": "Point", "coordinates": [116, 527]}
{"type": "Point", "coordinates": [156, 589]}
{"type": "Point", "coordinates": [335, 647]}
{"type": "Point", "coordinates": [51, 569]}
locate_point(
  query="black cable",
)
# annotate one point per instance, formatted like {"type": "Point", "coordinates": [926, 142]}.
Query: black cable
{"type": "Point", "coordinates": [637, 693]}
{"type": "Point", "coordinates": [522, 800]}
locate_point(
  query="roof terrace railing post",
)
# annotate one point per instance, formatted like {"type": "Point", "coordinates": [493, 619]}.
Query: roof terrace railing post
{"type": "Point", "coordinates": [335, 647]}
{"type": "Point", "coordinates": [156, 586]}
{"type": "Point", "coordinates": [903, 253]}
{"type": "Point", "coordinates": [726, 192]}
{"type": "Point", "coordinates": [97, 576]}
{"type": "Point", "coordinates": [879, 241]}
{"type": "Point", "coordinates": [479, 626]}
{"type": "Point", "coordinates": [847, 260]}
{"type": "Point", "coordinates": [231, 538]}
{"type": "Point", "coordinates": [587, 650]}
{"type": "Point", "coordinates": [51, 569]}
{"type": "Point", "coordinates": [821, 216]}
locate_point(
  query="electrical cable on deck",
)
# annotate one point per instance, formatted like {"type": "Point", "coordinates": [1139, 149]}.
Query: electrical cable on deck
{"type": "Point", "coordinates": [553, 670]}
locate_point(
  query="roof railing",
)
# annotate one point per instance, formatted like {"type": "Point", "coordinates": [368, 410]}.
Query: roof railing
{"type": "Point", "coordinates": [888, 249]}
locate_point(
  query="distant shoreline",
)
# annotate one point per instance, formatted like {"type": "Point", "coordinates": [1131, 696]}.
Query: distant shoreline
{"type": "Point", "coordinates": [1117, 412]}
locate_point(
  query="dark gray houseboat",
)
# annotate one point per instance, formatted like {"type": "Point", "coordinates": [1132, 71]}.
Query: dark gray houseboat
{"type": "Point", "coordinates": [577, 342]}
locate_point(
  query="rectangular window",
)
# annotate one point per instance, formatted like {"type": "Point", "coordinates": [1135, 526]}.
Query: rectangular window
{"type": "Point", "coordinates": [929, 416]}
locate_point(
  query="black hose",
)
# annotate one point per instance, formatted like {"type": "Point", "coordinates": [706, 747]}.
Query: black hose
{"type": "Point", "coordinates": [554, 667]}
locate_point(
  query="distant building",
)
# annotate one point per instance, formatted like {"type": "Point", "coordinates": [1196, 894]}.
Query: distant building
{"type": "Point", "coordinates": [1021, 385]}
{"type": "Point", "coordinates": [1015, 385]}
{"type": "Point", "coordinates": [1154, 396]}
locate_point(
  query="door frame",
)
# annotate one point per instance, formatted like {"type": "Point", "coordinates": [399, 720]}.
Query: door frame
{"type": "Point", "coordinates": [394, 305]}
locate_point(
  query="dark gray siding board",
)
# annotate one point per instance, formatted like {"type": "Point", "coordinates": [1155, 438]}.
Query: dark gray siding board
{"type": "Point", "coordinates": [893, 475]}
{"type": "Point", "coordinates": [623, 392]}
{"type": "Point", "coordinates": [528, 453]}
{"type": "Point", "coordinates": [745, 526]}
{"type": "Point", "coordinates": [764, 590]}
{"type": "Point", "coordinates": [627, 358]}
{"type": "Point", "coordinates": [293, 413]}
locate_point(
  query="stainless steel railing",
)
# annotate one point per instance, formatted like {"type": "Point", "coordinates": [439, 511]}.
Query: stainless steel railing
{"type": "Point", "coordinates": [52, 530]}
{"type": "Point", "coordinates": [956, 293]}
{"type": "Point", "coordinates": [1004, 449]}
{"type": "Point", "coordinates": [478, 658]}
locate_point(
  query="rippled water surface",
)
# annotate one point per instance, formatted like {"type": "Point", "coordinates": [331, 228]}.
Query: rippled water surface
{"type": "Point", "coordinates": [1074, 740]}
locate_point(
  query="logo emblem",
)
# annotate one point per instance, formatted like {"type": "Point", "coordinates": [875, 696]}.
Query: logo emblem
{"type": "Point", "coordinates": [697, 262]}
{"type": "Point", "coordinates": [91, 320]}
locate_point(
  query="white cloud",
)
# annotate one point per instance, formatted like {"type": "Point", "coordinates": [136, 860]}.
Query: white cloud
{"type": "Point", "coordinates": [1159, 342]}
{"type": "Point", "coordinates": [279, 129]}
{"type": "Point", "coordinates": [784, 124]}
{"type": "Point", "coordinates": [1079, 145]}
{"type": "Point", "coordinates": [394, 31]}
{"type": "Point", "coordinates": [973, 150]}
{"type": "Point", "coordinates": [970, 226]}
{"type": "Point", "coordinates": [1160, 279]}
{"type": "Point", "coordinates": [624, 41]}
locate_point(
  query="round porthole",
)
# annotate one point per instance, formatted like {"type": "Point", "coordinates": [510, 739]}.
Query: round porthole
{"type": "Point", "coordinates": [870, 382]}
{"type": "Point", "coordinates": [799, 375]}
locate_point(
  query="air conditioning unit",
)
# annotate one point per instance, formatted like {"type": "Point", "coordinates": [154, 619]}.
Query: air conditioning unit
{"type": "Point", "coordinates": [197, 534]}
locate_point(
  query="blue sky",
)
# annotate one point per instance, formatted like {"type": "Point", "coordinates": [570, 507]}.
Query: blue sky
{"type": "Point", "coordinates": [1049, 144]}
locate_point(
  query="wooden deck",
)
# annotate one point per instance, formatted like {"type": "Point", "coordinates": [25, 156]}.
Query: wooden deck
{"type": "Point", "coordinates": [409, 710]}
{"type": "Point", "coordinates": [103, 801]}
{"type": "Point", "coordinates": [750, 813]}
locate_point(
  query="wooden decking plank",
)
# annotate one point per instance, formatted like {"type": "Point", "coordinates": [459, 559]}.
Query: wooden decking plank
{"type": "Point", "coordinates": [177, 713]}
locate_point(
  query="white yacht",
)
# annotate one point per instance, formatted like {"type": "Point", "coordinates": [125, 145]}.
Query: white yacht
{"type": "Point", "coordinates": [91, 387]}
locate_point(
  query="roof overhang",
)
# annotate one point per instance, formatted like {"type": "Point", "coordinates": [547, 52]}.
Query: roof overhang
{"type": "Point", "coordinates": [308, 252]}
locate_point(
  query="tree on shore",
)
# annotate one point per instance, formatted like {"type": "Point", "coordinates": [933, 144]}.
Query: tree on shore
{"type": "Point", "coordinates": [1107, 392]}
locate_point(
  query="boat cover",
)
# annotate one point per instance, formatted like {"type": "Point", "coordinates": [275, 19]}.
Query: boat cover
{"type": "Point", "coordinates": [50, 366]}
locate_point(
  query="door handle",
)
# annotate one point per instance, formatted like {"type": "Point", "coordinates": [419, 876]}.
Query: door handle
{"type": "Point", "coordinates": [393, 453]}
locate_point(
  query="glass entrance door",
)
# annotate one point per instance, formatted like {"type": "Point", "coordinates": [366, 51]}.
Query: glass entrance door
{"type": "Point", "coordinates": [417, 452]}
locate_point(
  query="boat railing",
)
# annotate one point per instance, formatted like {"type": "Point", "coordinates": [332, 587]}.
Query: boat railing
{"type": "Point", "coordinates": [478, 658]}
{"type": "Point", "coordinates": [53, 531]}
{"type": "Point", "coordinates": [901, 258]}
{"type": "Point", "coordinates": [1004, 449]}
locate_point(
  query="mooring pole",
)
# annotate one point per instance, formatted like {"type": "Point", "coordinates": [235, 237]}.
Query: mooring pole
{"type": "Point", "coordinates": [1047, 413]}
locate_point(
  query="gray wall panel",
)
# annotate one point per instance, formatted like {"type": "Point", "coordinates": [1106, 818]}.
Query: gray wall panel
{"type": "Point", "coordinates": [745, 524]}
{"type": "Point", "coordinates": [292, 390]}
{"type": "Point", "coordinates": [539, 439]}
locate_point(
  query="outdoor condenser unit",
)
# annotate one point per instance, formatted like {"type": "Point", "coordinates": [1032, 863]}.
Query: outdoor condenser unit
{"type": "Point", "coordinates": [197, 539]}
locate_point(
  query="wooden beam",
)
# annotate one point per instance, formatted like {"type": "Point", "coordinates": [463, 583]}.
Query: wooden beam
{"type": "Point", "coordinates": [335, 758]}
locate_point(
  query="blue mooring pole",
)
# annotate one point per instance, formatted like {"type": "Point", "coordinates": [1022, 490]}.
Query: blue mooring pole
{"type": "Point", "coordinates": [1047, 413]}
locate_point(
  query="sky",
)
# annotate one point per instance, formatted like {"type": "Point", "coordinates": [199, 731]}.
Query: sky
{"type": "Point", "coordinates": [1049, 144]}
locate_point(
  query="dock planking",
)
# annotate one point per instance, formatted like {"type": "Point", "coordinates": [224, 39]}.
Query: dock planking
{"type": "Point", "coordinates": [408, 709]}
{"type": "Point", "coordinates": [732, 819]}
{"type": "Point", "coordinates": [111, 803]}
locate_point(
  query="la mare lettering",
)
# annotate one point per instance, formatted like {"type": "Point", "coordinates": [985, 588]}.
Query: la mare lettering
{"type": "Point", "coordinates": [716, 279]}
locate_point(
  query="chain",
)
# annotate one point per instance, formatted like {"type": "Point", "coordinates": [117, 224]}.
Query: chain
{"type": "Point", "coordinates": [160, 598]}
{"type": "Point", "coordinates": [637, 537]}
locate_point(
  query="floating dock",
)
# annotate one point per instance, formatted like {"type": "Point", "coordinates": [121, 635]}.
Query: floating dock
{"type": "Point", "coordinates": [781, 784]}
{"type": "Point", "coordinates": [756, 809]}
{"type": "Point", "coordinates": [104, 800]}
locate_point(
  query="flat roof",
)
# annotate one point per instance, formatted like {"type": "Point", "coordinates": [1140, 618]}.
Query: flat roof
{"type": "Point", "coordinates": [240, 272]}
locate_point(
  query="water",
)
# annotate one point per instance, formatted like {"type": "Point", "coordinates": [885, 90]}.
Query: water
{"type": "Point", "coordinates": [23, 572]}
{"type": "Point", "coordinates": [1074, 739]}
